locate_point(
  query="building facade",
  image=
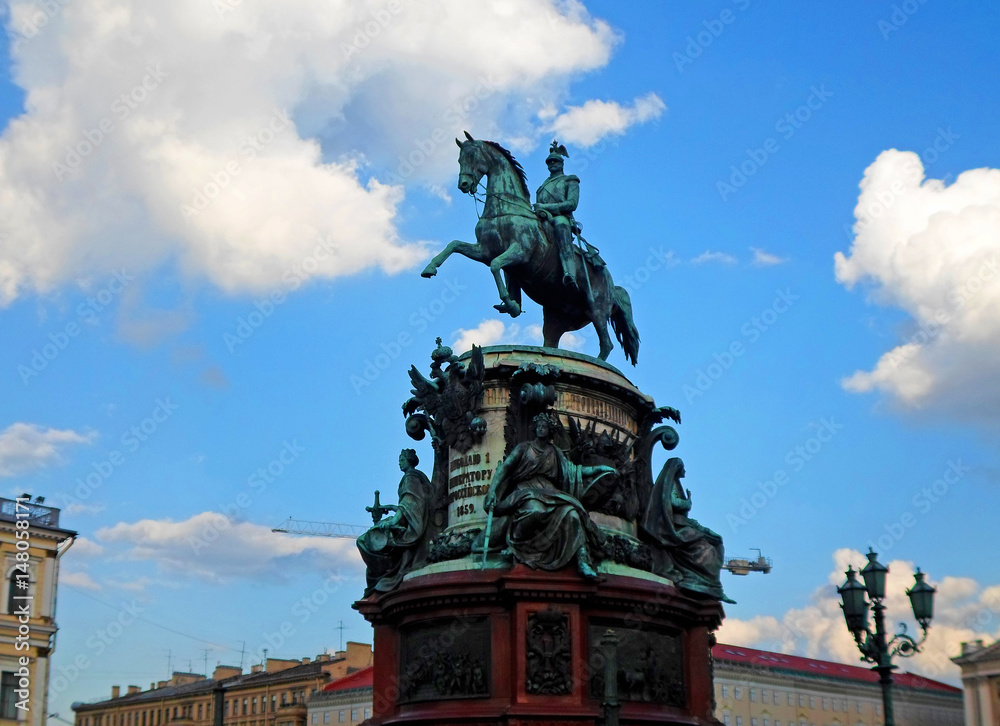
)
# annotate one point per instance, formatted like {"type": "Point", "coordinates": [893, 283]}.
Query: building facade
{"type": "Point", "coordinates": [346, 701]}
{"type": "Point", "coordinates": [760, 688]}
{"type": "Point", "coordinates": [271, 694]}
{"type": "Point", "coordinates": [980, 666]}
{"type": "Point", "coordinates": [752, 688]}
{"type": "Point", "coordinates": [31, 545]}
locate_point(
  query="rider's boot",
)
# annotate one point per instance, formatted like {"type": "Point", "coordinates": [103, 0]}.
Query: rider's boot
{"type": "Point", "coordinates": [566, 260]}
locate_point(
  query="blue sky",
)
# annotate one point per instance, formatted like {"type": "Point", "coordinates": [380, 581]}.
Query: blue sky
{"type": "Point", "coordinates": [720, 146]}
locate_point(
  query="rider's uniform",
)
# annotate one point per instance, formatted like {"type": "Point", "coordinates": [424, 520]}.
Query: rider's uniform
{"type": "Point", "coordinates": [563, 191]}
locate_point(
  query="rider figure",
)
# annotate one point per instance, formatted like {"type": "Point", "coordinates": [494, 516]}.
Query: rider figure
{"type": "Point", "coordinates": [555, 201]}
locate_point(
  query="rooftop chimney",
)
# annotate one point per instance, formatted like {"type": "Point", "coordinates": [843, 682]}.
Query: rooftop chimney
{"type": "Point", "coordinates": [134, 689]}
{"type": "Point", "coordinates": [972, 647]}
{"type": "Point", "coordinates": [116, 691]}
{"type": "Point", "coordinates": [224, 671]}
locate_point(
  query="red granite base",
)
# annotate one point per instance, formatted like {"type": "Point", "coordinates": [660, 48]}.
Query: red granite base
{"type": "Point", "coordinates": [519, 646]}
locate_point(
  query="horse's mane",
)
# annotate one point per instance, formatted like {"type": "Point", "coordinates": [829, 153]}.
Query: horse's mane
{"type": "Point", "coordinates": [518, 169]}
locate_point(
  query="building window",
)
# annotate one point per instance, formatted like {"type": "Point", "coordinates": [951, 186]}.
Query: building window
{"type": "Point", "coordinates": [274, 704]}
{"type": "Point", "coordinates": [791, 702]}
{"type": "Point", "coordinates": [8, 699]}
{"type": "Point", "coordinates": [753, 694]}
{"type": "Point", "coordinates": [843, 705]}
{"type": "Point", "coordinates": [737, 693]}
{"type": "Point", "coordinates": [725, 691]}
{"type": "Point", "coordinates": [825, 704]}
{"type": "Point", "coordinates": [802, 700]}
{"type": "Point", "coordinates": [253, 705]}
{"type": "Point", "coordinates": [245, 706]}
{"type": "Point", "coordinates": [326, 717]}
{"type": "Point", "coordinates": [812, 701]}
{"type": "Point", "coordinates": [354, 714]}
{"type": "Point", "coordinates": [753, 721]}
{"type": "Point", "coordinates": [777, 698]}
{"type": "Point", "coordinates": [739, 721]}
{"type": "Point", "coordinates": [342, 717]}
{"type": "Point", "coordinates": [368, 713]}
{"type": "Point", "coordinates": [725, 719]}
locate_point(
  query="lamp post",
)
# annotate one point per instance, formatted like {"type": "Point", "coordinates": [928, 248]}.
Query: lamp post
{"type": "Point", "coordinates": [874, 647]}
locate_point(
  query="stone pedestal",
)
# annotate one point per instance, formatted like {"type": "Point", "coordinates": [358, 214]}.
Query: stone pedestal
{"type": "Point", "coordinates": [521, 647]}
{"type": "Point", "coordinates": [474, 638]}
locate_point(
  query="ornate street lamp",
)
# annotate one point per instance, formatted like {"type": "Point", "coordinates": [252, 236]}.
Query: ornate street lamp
{"type": "Point", "coordinates": [873, 646]}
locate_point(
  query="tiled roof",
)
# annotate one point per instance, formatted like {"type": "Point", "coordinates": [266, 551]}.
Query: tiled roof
{"type": "Point", "coordinates": [363, 678]}
{"type": "Point", "coordinates": [822, 668]}
{"type": "Point", "coordinates": [990, 652]}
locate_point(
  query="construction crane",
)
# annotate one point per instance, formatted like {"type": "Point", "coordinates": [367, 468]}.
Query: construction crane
{"type": "Point", "coordinates": [745, 565]}
{"type": "Point", "coordinates": [320, 529]}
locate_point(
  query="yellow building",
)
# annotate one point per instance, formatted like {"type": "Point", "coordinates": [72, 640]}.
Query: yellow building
{"type": "Point", "coordinates": [271, 694]}
{"type": "Point", "coordinates": [760, 688]}
{"type": "Point", "coordinates": [31, 543]}
{"type": "Point", "coordinates": [980, 666]}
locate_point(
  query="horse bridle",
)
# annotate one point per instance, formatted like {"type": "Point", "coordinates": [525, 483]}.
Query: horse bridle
{"type": "Point", "coordinates": [504, 197]}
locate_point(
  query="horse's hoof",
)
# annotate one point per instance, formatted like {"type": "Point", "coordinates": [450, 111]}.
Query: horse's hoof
{"type": "Point", "coordinates": [511, 308]}
{"type": "Point", "coordinates": [428, 271]}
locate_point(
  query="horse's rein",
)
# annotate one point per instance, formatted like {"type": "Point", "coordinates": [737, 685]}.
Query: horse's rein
{"type": "Point", "coordinates": [503, 197]}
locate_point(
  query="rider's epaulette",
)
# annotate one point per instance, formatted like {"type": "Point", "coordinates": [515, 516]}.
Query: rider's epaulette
{"type": "Point", "coordinates": [573, 178]}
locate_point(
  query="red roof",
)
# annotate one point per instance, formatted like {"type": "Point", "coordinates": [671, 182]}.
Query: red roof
{"type": "Point", "coordinates": [361, 679]}
{"type": "Point", "coordinates": [780, 661]}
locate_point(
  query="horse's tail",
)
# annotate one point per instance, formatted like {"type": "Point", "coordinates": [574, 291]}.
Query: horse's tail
{"type": "Point", "coordinates": [623, 324]}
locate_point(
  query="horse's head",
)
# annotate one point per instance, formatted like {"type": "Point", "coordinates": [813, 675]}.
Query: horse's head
{"type": "Point", "coordinates": [473, 163]}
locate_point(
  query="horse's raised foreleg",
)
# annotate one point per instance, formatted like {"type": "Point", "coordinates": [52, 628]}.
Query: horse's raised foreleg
{"type": "Point", "coordinates": [466, 249]}
{"type": "Point", "coordinates": [513, 255]}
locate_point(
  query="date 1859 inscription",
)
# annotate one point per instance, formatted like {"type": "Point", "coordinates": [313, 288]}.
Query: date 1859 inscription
{"type": "Point", "coordinates": [469, 478]}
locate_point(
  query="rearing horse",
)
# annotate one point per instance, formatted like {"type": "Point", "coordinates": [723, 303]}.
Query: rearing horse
{"type": "Point", "coordinates": [510, 239]}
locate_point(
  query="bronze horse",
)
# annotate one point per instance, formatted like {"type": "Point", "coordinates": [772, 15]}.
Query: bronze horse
{"type": "Point", "coordinates": [510, 239]}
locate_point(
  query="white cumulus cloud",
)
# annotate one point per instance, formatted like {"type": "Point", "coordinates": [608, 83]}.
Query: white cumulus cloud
{"type": "Point", "coordinates": [496, 332]}
{"type": "Point", "coordinates": [933, 251]}
{"type": "Point", "coordinates": [257, 145]}
{"type": "Point", "coordinates": [587, 124]}
{"type": "Point", "coordinates": [213, 548]}
{"type": "Point", "coordinates": [25, 447]}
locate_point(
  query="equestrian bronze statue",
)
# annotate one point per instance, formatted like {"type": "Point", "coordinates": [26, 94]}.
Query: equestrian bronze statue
{"type": "Point", "coordinates": [575, 289]}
